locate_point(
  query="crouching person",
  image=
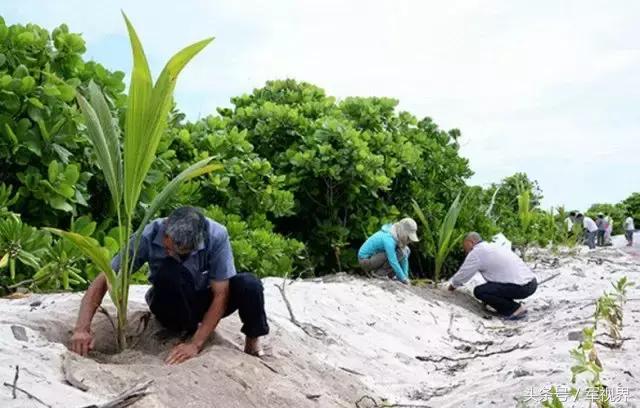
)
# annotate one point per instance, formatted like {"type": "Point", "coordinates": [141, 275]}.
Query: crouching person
{"type": "Point", "coordinates": [387, 251]}
{"type": "Point", "coordinates": [508, 277]}
{"type": "Point", "coordinates": [194, 285]}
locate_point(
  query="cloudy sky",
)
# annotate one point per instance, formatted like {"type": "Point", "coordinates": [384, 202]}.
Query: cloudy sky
{"type": "Point", "coordinates": [549, 88]}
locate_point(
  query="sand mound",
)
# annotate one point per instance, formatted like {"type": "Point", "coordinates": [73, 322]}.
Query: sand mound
{"type": "Point", "coordinates": [349, 338]}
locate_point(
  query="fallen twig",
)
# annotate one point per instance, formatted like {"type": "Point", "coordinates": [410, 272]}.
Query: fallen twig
{"type": "Point", "coordinates": [485, 343]}
{"type": "Point", "coordinates": [361, 404]}
{"type": "Point", "coordinates": [69, 377]}
{"type": "Point", "coordinates": [269, 367]}
{"type": "Point", "coordinates": [471, 357]}
{"type": "Point", "coordinates": [27, 393]}
{"type": "Point", "coordinates": [350, 371]}
{"type": "Point", "coordinates": [127, 398]}
{"type": "Point", "coordinates": [303, 326]}
{"type": "Point", "coordinates": [542, 282]}
{"type": "Point", "coordinates": [15, 382]}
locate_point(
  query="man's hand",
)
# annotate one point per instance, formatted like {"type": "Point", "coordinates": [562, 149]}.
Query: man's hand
{"type": "Point", "coordinates": [451, 288]}
{"type": "Point", "coordinates": [181, 353]}
{"type": "Point", "coordinates": [82, 342]}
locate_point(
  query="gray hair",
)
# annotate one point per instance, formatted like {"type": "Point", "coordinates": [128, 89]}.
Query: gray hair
{"type": "Point", "coordinates": [473, 237]}
{"type": "Point", "coordinates": [186, 227]}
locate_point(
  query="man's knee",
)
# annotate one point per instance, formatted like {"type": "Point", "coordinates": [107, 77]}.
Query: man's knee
{"type": "Point", "coordinates": [247, 283]}
{"type": "Point", "coordinates": [480, 291]}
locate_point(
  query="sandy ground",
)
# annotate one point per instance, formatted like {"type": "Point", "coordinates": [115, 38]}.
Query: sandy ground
{"type": "Point", "coordinates": [351, 338]}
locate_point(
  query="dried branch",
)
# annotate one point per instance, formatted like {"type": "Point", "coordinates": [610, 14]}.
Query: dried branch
{"type": "Point", "coordinates": [375, 404]}
{"type": "Point", "coordinates": [127, 398]}
{"type": "Point", "coordinates": [542, 282]}
{"type": "Point", "coordinates": [305, 327]}
{"type": "Point", "coordinates": [471, 357]}
{"type": "Point", "coordinates": [350, 371]}
{"type": "Point", "coordinates": [69, 377]}
{"type": "Point", "coordinates": [27, 393]}
{"type": "Point", "coordinates": [15, 382]}
{"type": "Point", "coordinates": [485, 343]}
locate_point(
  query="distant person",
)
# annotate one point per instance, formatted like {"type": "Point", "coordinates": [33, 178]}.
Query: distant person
{"type": "Point", "coordinates": [609, 231]}
{"type": "Point", "coordinates": [590, 230]}
{"type": "Point", "coordinates": [387, 251]}
{"type": "Point", "coordinates": [629, 229]}
{"type": "Point", "coordinates": [569, 221]}
{"type": "Point", "coordinates": [601, 223]}
{"type": "Point", "coordinates": [508, 277]}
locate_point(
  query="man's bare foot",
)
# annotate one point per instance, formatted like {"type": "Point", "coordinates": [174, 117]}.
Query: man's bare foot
{"type": "Point", "coordinates": [252, 346]}
{"type": "Point", "coordinates": [518, 314]}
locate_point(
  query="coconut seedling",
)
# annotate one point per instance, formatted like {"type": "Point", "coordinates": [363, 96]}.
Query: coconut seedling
{"type": "Point", "coordinates": [445, 239]}
{"type": "Point", "coordinates": [125, 168]}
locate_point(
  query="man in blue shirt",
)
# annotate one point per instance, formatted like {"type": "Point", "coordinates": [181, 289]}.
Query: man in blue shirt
{"type": "Point", "coordinates": [194, 284]}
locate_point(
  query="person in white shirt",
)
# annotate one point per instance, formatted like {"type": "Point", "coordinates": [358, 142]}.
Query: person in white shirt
{"type": "Point", "coordinates": [629, 229]}
{"type": "Point", "coordinates": [591, 230]}
{"type": "Point", "coordinates": [508, 277]}
{"type": "Point", "coordinates": [568, 222]}
{"type": "Point", "coordinates": [609, 231]}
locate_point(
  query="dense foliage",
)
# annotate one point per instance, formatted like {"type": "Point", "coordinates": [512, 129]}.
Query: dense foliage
{"type": "Point", "coordinates": [42, 149]}
{"type": "Point", "coordinates": [305, 177]}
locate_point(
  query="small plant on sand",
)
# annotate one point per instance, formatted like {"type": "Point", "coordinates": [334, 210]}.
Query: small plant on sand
{"type": "Point", "coordinates": [125, 171]}
{"type": "Point", "coordinates": [586, 362]}
{"type": "Point", "coordinates": [609, 309]}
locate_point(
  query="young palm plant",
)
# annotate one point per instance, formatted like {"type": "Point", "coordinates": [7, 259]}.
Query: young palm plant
{"type": "Point", "coordinates": [444, 242]}
{"type": "Point", "coordinates": [20, 243]}
{"type": "Point", "coordinates": [125, 171]}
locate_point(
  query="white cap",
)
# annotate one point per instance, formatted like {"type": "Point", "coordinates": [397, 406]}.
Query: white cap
{"type": "Point", "coordinates": [409, 228]}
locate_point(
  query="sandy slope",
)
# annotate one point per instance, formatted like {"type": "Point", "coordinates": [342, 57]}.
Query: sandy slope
{"type": "Point", "coordinates": [353, 338]}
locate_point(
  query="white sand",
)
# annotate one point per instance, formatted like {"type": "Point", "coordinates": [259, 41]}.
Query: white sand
{"type": "Point", "coordinates": [362, 338]}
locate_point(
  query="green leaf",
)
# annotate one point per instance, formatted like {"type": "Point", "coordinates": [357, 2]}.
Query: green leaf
{"type": "Point", "coordinates": [59, 203]}
{"type": "Point", "coordinates": [109, 165]}
{"type": "Point", "coordinates": [12, 136]}
{"type": "Point", "coordinates": [147, 113]}
{"type": "Point", "coordinates": [36, 102]}
{"type": "Point", "coordinates": [140, 89]}
{"type": "Point", "coordinates": [195, 170]}
{"type": "Point", "coordinates": [91, 249]}
{"type": "Point", "coordinates": [71, 173]}
{"type": "Point", "coordinates": [66, 190]}
{"type": "Point", "coordinates": [53, 171]}
{"type": "Point", "coordinates": [51, 90]}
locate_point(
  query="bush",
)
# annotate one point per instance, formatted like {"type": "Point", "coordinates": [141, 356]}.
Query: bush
{"type": "Point", "coordinates": [41, 144]}
{"type": "Point", "coordinates": [352, 165]}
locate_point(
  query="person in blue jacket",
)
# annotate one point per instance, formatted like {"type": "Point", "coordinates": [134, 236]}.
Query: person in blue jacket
{"type": "Point", "coordinates": [387, 251]}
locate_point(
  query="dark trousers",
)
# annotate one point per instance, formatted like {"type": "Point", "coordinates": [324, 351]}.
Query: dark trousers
{"type": "Point", "coordinates": [501, 296]}
{"type": "Point", "coordinates": [601, 234]}
{"type": "Point", "coordinates": [178, 306]}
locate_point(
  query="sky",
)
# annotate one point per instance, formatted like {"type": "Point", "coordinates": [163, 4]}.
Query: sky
{"type": "Point", "coordinates": [548, 88]}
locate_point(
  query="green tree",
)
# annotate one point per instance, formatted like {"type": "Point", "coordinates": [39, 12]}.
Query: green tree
{"type": "Point", "coordinates": [632, 206]}
{"type": "Point", "coordinates": [42, 149]}
{"type": "Point", "coordinates": [351, 166]}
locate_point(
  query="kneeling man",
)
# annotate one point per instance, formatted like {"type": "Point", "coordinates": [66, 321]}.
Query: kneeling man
{"type": "Point", "coordinates": [508, 277]}
{"type": "Point", "coordinates": [194, 284]}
